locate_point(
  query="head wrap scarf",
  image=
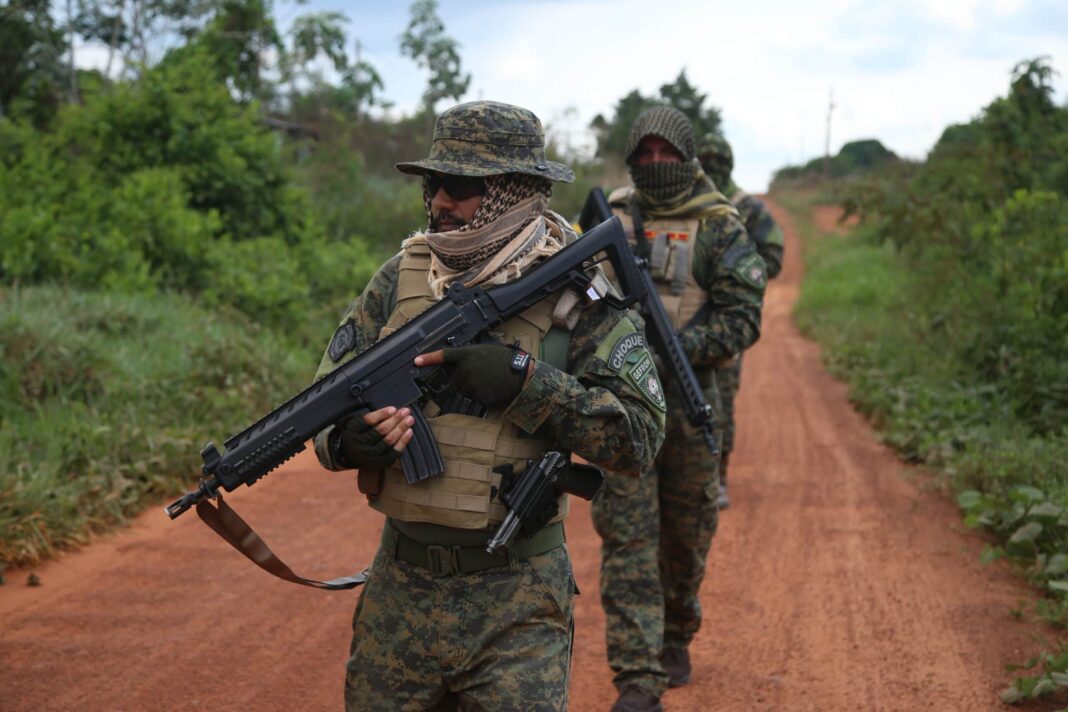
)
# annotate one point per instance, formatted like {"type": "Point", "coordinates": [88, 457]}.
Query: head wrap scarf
{"type": "Point", "coordinates": [511, 230]}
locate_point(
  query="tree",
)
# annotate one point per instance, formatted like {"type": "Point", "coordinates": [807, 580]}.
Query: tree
{"type": "Point", "coordinates": [612, 134]}
{"type": "Point", "coordinates": [359, 84]}
{"type": "Point", "coordinates": [425, 42]}
{"type": "Point", "coordinates": [685, 97]}
{"type": "Point", "coordinates": [31, 60]}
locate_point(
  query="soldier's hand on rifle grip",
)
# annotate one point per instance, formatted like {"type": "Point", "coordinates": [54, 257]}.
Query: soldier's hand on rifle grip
{"type": "Point", "coordinates": [490, 374]}
{"type": "Point", "coordinates": [375, 439]}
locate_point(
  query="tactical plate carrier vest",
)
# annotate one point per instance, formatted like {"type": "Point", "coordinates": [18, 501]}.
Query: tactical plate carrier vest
{"type": "Point", "coordinates": [466, 494]}
{"type": "Point", "coordinates": [671, 241]}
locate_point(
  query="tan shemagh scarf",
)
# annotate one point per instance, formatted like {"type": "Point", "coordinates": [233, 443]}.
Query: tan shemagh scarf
{"type": "Point", "coordinates": [538, 233]}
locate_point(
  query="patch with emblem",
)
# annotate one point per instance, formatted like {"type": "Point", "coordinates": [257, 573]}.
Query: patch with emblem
{"type": "Point", "coordinates": [752, 270]}
{"type": "Point", "coordinates": [343, 341]}
{"type": "Point", "coordinates": [520, 360]}
{"type": "Point", "coordinates": [624, 348]}
{"type": "Point", "coordinates": [642, 375]}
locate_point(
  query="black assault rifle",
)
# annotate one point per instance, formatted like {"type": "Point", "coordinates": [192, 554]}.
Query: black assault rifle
{"type": "Point", "coordinates": [658, 327]}
{"type": "Point", "coordinates": [386, 375]}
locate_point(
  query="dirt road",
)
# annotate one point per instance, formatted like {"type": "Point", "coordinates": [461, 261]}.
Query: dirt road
{"type": "Point", "coordinates": [835, 583]}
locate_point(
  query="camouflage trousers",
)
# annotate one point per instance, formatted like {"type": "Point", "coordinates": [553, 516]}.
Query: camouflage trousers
{"type": "Point", "coordinates": [729, 380]}
{"type": "Point", "coordinates": [656, 533]}
{"type": "Point", "coordinates": [492, 640]}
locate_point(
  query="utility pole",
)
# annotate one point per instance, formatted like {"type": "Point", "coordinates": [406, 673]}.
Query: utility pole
{"type": "Point", "coordinates": [827, 141]}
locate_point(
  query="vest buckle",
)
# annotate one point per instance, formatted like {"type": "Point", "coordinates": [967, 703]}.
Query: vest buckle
{"type": "Point", "coordinates": [442, 560]}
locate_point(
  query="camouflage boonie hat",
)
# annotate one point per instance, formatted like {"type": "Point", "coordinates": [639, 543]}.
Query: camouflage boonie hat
{"type": "Point", "coordinates": [716, 156]}
{"type": "Point", "coordinates": [484, 138]}
{"type": "Point", "coordinates": [668, 123]}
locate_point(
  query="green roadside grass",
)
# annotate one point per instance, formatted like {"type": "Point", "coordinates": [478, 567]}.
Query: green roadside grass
{"type": "Point", "coordinates": [106, 401]}
{"type": "Point", "coordinates": [857, 301]}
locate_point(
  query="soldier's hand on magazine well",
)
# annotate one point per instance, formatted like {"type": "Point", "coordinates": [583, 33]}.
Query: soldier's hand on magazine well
{"type": "Point", "coordinates": [490, 374]}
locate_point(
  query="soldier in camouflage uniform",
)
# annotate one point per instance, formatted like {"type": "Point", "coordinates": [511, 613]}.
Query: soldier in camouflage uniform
{"type": "Point", "coordinates": [657, 531]}
{"type": "Point", "coordinates": [717, 159]}
{"type": "Point", "coordinates": [442, 624]}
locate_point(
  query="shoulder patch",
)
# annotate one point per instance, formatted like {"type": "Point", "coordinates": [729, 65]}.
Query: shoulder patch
{"type": "Point", "coordinates": [628, 344]}
{"type": "Point", "coordinates": [343, 340]}
{"type": "Point", "coordinates": [643, 376]}
{"type": "Point", "coordinates": [752, 270]}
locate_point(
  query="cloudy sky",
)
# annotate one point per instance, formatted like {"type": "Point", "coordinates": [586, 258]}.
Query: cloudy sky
{"type": "Point", "coordinates": [900, 71]}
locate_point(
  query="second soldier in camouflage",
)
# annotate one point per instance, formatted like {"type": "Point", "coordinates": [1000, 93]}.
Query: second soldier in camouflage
{"type": "Point", "coordinates": [657, 531]}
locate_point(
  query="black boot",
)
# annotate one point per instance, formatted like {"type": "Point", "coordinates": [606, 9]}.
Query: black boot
{"type": "Point", "coordinates": [637, 699]}
{"type": "Point", "coordinates": [676, 663]}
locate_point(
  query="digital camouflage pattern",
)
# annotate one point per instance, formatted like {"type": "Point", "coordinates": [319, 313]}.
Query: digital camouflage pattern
{"type": "Point", "coordinates": [492, 640]}
{"type": "Point", "coordinates": [482, 138]}
{"type": "Point", "coordinates": [717, 159]}
{"type": "Point", "coordinates": [726, 264]}
{"type": "Point", "coordinates": [608, 421]}
{"type": "Point", "coordinates": [656, 534]}
{"type": "Point", "coordinates": [761, 226]}
{"type": "Point", "coordinates": [770, 243]}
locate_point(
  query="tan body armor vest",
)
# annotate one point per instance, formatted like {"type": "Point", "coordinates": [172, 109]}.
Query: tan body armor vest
{"type": "Point", "coordinates": [672, 242]}
{"type": "Point", "coordinates": [466, 494]}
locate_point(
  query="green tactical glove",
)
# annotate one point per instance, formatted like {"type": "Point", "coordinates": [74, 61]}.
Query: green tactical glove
{"type": "Point", "coordinates": [490, 374]}
{"type": "Point", "coordinates": [359, 445]}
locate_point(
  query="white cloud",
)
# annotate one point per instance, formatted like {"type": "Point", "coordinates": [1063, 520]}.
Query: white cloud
{"type": "Point", "coordinates": [900, 71]}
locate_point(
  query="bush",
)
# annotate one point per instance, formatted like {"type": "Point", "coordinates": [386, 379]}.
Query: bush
{"type": "Point", "coordinates": [106, 400]}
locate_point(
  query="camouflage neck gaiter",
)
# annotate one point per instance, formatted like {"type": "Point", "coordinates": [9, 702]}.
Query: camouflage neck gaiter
{"type": "Point", "coordinates": [503, 192]}
{"type": "Point", "coordinates": [663, 185]}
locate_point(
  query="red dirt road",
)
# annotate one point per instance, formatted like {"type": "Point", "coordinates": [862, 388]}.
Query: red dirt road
{"type": "Point", "coordinates": [835, 583]}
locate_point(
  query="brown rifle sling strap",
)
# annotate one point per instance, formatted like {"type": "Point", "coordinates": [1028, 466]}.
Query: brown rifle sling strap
{"type": "Point", "coordinates": [225, 522]}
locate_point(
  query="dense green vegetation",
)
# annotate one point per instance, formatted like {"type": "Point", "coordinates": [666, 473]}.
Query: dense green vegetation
{"type": "Point", "coordinates": [947, 313]}
{"type": "Point", "coordinates": [855, 158]}
{"type": "Point", "coordinates": [179, 232]}
{"type": "Point", "coordinates": [106, 399]}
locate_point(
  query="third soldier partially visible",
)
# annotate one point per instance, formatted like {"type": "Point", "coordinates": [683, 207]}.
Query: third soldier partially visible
{"type": "Point", "coordinates": [717, 159]}
{"type": "Point", "coordinates": [657, 531]}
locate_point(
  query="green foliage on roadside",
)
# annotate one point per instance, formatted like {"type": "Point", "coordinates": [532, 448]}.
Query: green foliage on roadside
{"type": "Point", "coordinates": [855, 158]}
{"type": "Point", "coordinates": [106, 399]}
{"type": "Point", "coordinates": [947, 314]}
{"type": "Point", "coordinates": [168, 184]}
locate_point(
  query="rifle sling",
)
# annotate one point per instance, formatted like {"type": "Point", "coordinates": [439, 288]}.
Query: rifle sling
{"type": "Point", "coordinates": [225, 522]}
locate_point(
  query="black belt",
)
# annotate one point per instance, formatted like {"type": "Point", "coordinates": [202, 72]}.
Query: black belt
{"type": "Point", "coordinates": [452, 560]}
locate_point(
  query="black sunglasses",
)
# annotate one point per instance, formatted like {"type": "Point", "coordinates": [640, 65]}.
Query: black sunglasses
{"type": "Point", "coordinates": [456, 187]}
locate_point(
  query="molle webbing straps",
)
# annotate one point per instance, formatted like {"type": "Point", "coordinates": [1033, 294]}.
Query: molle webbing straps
{"type": "Point", "coordinates": [225, 522]}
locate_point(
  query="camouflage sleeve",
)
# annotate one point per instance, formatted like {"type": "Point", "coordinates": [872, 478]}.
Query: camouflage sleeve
{"type": "Point", "coordinates": [765, 232]}
{"type": "Point", "coordinates": [357, 332]}
{"type": "Point", "coordinates": [727, 265]}
{"type": "Point", "coordinates": [609, 407]}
